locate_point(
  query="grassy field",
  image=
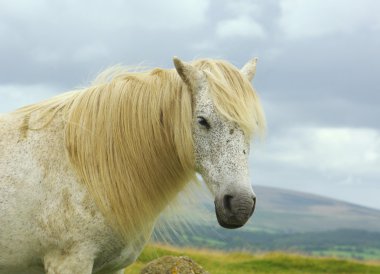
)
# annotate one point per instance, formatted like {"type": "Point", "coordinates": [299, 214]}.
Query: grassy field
{"type": "Point", "coordinates": [243, 263]}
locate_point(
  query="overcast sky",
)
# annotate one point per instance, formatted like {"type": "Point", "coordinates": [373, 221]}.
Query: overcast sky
{"type": "Point", "coordinates": [318, 72]}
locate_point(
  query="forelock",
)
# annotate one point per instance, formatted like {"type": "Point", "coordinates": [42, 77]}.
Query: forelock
{"type": "Point", "coordinates": [233, 95]}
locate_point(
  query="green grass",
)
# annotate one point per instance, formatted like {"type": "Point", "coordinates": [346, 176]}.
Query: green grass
{"type": "Point", "coordinates": [243, 263]}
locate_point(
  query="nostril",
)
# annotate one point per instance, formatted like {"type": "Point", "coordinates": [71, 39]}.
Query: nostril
{"type": "Point", "coordinates": [227, 202]}
{"type": "Point", "coordinates": [254, 205]}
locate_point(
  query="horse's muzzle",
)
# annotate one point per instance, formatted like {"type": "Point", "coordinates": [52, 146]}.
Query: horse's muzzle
{"type": "Point", "coordinates": [233, 211]}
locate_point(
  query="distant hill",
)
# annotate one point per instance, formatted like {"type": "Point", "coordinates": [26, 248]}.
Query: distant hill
{"type": "Point", "coordinates": [280, 210]}
{"type": "Point", "coordinates": [292, 211]}
{"type": "Point", "coordinates": [289, 221]}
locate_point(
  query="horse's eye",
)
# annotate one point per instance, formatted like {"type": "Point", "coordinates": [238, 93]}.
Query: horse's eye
{"type": "Point", "coordinates": [203, 122]}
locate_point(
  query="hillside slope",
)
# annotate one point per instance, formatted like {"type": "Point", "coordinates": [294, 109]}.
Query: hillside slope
{"type": "Point", "coordinates": [292, 211]}
{"type": "Point", "coordinates": [288, 221]}
{"type": "Point", "coordinates": [280, 210]}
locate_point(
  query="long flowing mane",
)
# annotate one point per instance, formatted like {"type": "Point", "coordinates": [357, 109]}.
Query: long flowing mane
{"type": "Point", "coordinates": [129, 138]}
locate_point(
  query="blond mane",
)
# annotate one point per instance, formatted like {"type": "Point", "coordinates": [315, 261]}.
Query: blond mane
{"type": "Point", "coordinates": [129, 137]}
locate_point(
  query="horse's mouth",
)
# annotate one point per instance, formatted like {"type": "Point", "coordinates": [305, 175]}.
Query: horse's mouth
{"type": "Point", "coordinates": [223, 223]}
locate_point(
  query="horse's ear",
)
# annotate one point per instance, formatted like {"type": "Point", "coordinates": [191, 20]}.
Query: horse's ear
{"type": "Point", "coordinates": [249, 69]}
{"type": "Point", "coordinates": [189, 74]}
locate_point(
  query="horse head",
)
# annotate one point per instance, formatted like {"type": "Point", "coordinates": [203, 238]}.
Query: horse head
{"type": "Point", "coordinates": [221, 143]}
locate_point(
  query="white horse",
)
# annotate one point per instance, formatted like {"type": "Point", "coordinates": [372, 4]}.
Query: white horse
{"type": "Point", "coordinates": [84, 175]}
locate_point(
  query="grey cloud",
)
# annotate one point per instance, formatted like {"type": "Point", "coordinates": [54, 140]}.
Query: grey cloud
{"type": "Point", "coordinates": [324, 80]}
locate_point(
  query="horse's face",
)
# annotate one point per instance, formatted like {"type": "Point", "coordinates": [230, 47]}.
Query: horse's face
{"type": "Point", "coordinates": [221, 156]}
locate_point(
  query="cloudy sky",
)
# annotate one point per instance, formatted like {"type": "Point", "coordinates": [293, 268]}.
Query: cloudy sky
{"type": "Point", "coordinates": [318, 72]}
